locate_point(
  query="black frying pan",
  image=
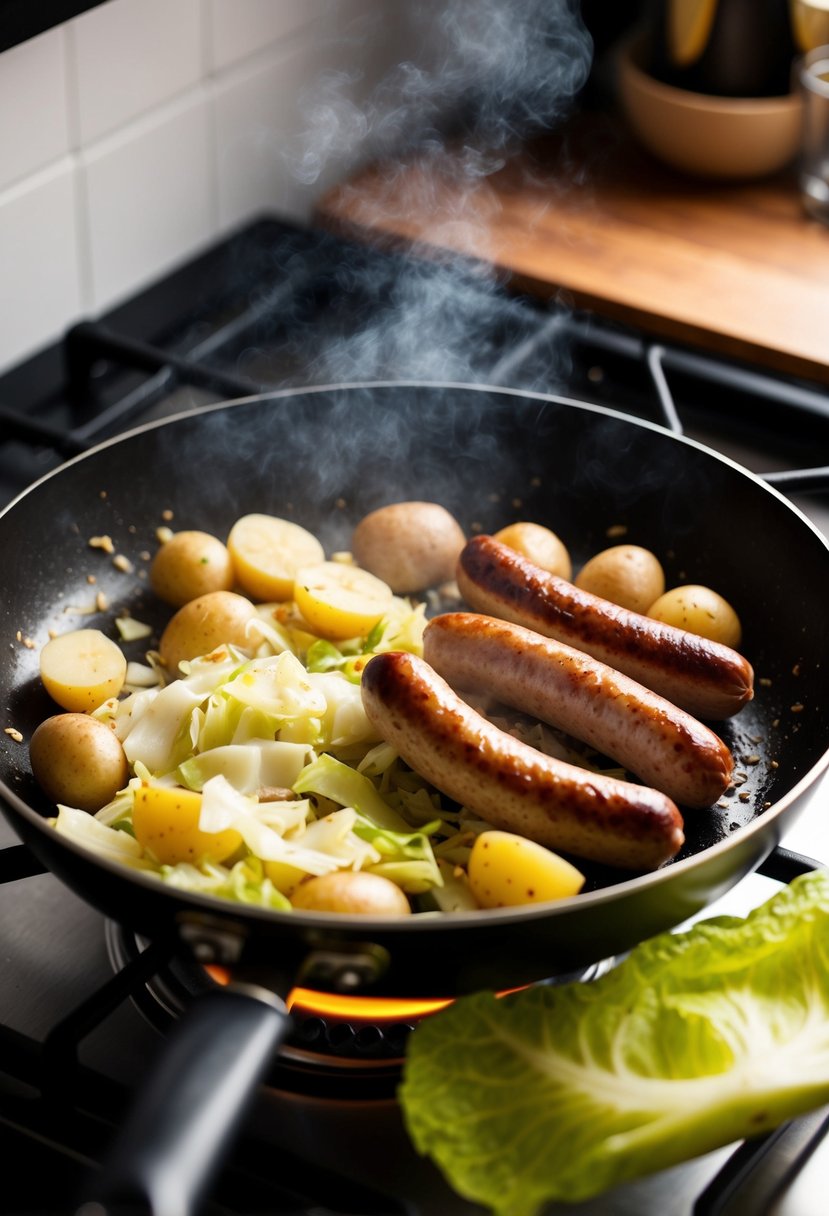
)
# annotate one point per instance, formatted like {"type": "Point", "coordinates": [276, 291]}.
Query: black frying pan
{"type": "Point", "coordinates": [324, 457]}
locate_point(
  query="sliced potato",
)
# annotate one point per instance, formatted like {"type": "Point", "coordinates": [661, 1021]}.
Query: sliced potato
{"type": "Point", "coordinates": [409, 545]}
{"type": "Point", "coordinates": [78, 761]}
{"type": "Point", "coordinates": [627, 575]}
{"type": "Point", "coordinates": [341, 601]}
{"type": "Point", "coordinates": [506, 870]}
{"type": "Point", "coordinates": [165, 820]}
{"type": "Point", "coordinates": [267, 552]}
{"type": "Point", "coordinates": [351, 892]}
{"type": "Point", "coordinates": [286, 878]}
{"type": "Point", "coordinates": [188, 565]}
{"type": "Point", "coordinates": [82, 669]}
{"type": "Point", "coordinates": [539, 545]}
{"type": "Point", "coordinates": [200, 626]}
{"type": "Point", "coordinates": [700, 610]}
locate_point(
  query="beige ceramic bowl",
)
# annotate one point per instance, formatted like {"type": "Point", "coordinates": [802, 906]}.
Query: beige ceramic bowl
{"type": "Point", "coordinates": [715, 137]}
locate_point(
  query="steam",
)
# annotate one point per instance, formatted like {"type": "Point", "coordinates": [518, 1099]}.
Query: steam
{"type": "Point", "coordinates": [488, 73]}
{"type": "Point", "coordinates": [485, 76]}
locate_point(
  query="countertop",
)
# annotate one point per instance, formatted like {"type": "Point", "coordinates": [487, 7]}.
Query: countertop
{"type": "Point", "coordinates": [584, 214]}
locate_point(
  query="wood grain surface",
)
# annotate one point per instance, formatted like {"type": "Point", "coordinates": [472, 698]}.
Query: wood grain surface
{"type": "Point", "coordinates": [734, 268]}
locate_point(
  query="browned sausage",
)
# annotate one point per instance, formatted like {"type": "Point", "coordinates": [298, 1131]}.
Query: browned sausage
{"type": "Point", "coordinates": [508, 783]}
{"type": "Point", "coordinates": [661, 744]}
{"type": "Point", "coordinates": [706, 678]}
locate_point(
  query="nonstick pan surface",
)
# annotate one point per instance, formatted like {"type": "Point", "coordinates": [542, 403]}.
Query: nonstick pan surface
{"type": "Point", "coordinates": [324, 457]}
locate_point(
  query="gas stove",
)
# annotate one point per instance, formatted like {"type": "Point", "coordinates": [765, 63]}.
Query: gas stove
{"type": "Point", "coordinates": [83, 1006]}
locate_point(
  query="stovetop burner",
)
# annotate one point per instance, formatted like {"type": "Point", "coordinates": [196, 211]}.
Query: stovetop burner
{"type": "Point", "coordinates": [349, 1048]}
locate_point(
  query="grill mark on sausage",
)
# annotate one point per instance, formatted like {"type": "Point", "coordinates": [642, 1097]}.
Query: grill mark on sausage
{"type": "Point", "coordinates": [508, 783]}
{"type": "Point", "coordinates": [663, 745]}
{"type": "Point", "coordinates": [702, 676]}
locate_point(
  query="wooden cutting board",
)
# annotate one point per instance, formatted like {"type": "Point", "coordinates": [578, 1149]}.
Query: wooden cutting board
{"type": "Point", "coordinates": [735, 269]}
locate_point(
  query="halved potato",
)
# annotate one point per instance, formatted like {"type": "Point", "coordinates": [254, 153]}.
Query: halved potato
{"type": "Point", "coordinates": [82, 669]}
{"type": "Point", "coordinates": [341, 601]}
{"type": "Point", "coordinates": [267, 552]}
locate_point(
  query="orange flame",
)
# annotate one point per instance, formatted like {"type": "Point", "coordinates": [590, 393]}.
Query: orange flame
{"type": "Point", "coordinates": [363, 1008]}
{"type": "Point", "coordinates": [359, 1008]}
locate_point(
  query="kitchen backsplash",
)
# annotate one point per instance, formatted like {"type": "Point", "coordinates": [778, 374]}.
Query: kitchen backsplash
{"type": "Point", "coordinates": [135, 134]}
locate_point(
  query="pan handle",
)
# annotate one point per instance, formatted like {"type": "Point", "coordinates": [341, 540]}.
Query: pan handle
{"type": "Point", "coordinates": [174, 1139]}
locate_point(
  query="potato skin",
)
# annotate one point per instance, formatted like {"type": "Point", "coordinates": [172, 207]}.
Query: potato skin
{"type": "Point", "coordinates": [409, 545]}
{"type": "Point", "coordinates": [203, 624]}
{"type": "Point", "coordinates": [190, 564]}
{"type": "Point", "coordinates": [539, 545]}
{"type": "Point", "coordinates": [700, 610]}
{"type": "Point", "coordinates": [78, 761]}
{"type": "Point", "coordinates": [351, 893]}
{"type": "Point", "coordinates": [627, 575]}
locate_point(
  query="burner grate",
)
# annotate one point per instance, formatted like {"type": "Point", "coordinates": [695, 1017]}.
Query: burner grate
{"type": "Point", "coordinates": [277, 306]}
{"type": "Point", "coordinates": [52, 1099]}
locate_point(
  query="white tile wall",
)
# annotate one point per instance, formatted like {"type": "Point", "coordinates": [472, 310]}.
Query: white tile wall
{"type": "Point", "coordinates": [258, 114]}
{"type": "Point", "coordinates": [149, 201]}
{"type": "Point", "coordinates": [131, 55]}
{"type": "Point", "coordinates": [34, 125]}
{"type": "Point", "coordinates": [263, 24]}
{"type": "Point", "coordinates": [135, 134]}
{"type": "Point", "coordinates": [40, 283]}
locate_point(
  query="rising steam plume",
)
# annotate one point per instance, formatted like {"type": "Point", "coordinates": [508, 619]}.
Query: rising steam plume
{"type": "Point", "coordinates": [490, 71]}
{"type": "Point", "coordinates": [486, 75]}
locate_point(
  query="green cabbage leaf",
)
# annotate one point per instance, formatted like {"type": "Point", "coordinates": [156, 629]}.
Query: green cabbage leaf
{"type": "Point", "coordinates": [696, 1040]}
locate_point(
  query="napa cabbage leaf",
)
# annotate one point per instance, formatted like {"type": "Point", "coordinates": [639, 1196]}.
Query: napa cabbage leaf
{"type": "Point", "coordinates": [698, 1039]}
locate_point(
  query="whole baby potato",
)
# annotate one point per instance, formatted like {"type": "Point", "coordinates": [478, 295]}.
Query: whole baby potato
{"type": "Point", "coordinates": [188, 565]}
{"type": "Point", "coordinates": [205, 623]}
{"type": "Point", "coordinates": [700, 610]}
{"type": "Point", "coordinates": [539, 545]}
{"type": "Point", "coordinates": [409, 545]}
{"type": "Point", "coordinates": [351, 893]}
{"type": "Point", "coordinates": [78, 761]}
{"type": "Point", "coordinates": [627, 575]}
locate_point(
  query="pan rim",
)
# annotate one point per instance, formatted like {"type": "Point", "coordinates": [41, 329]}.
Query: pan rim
{"type": "Point", "coordinates": [431, 921]}
{"type": "Point", "coordinates": [427, 921]}
{"type": "Point", "coordinates": [460, 385]}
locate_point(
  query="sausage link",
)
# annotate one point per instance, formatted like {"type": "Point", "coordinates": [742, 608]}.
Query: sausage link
{"type": "Point", "coordinates": [508, 783]}
{"type": "Point", "coordinates": [706, 678]}
{"type": "Point", "coordinates": [663, 745]}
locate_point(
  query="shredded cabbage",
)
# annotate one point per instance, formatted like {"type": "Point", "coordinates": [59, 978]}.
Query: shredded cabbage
{"type": "Point", "coordinates": [245, 882]}
{"type": "Point", "coordinates": [275, 740]}
{"type": "Point", "coordinates": [342, 784]}
{"type": "Point", "coordinates": [99, 837]}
